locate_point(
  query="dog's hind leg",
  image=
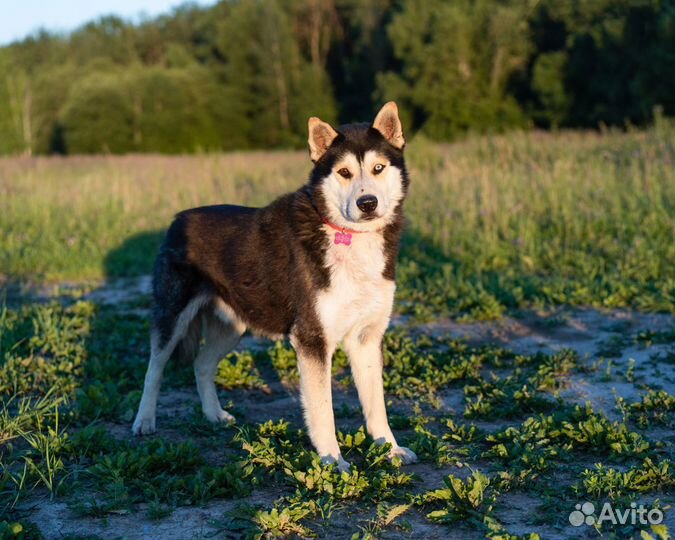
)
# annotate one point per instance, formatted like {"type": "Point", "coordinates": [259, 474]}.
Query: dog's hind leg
{"type": "Point", "coordinates": [159, 356]}
{"type": "Point", "coordinates": [167, 333]}
{"type": "Point", "coordinates": [221, 335]}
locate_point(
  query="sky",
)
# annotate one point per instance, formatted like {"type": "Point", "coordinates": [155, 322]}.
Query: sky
{"type": "Point", "coordinates": [22, 17]}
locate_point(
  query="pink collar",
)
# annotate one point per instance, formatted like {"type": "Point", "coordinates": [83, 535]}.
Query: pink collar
{"type": "Point", "coordinates": [342, 234]}
{"type": "Point", "coordinates": [341, 229]}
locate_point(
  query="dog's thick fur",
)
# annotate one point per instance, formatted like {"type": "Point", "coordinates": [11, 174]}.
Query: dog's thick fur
{"type": "Point", "coordinates": [280, 271]}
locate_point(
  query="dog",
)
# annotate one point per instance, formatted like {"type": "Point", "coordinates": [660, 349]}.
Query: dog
{"type": "Point", "coordinates": [316, 265]}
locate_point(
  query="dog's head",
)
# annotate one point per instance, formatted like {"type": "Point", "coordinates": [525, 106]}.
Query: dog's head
{"type": "Point", "coordinates": [359, 177]}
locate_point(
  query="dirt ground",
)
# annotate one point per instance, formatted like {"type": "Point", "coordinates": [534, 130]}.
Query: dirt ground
{"type": "Point", "coordinates": [592, 333]}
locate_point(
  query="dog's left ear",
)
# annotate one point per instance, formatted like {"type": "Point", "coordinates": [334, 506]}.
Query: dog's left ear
{"type": "Point", "coordinates": [388, 124]}
{"type": "Point", "coordinates": [321, 136]}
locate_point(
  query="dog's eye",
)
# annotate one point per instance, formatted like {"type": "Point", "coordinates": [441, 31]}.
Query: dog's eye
{"type": "Point", "coordinates": [344, 172]}
{"type": "Point", "coordinates": [378, 168]}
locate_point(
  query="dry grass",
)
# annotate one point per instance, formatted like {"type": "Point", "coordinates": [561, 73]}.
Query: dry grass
{"type": "Point", "coordinates": [494, 222]}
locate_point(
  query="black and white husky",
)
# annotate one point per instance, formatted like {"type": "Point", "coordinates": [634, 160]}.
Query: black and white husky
{"type": "Point", "coordinates": [316, 265]}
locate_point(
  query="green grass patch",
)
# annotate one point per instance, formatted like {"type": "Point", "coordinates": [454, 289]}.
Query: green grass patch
{"type": "Point", "coordinates": [71, 377]}
{"type": "Point", "coordinates": [495, 223]}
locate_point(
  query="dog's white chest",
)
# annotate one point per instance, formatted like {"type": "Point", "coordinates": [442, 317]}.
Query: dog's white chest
{"type": "Point", "coordinates": [358, 294]}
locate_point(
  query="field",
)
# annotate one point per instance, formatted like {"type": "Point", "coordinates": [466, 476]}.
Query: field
{"type": "Point", "coordinates": [530, 363]}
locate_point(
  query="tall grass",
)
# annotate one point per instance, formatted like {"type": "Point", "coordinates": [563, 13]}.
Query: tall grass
{"type": "Point", "coordinates": [494, 222]}
{"type": "Point", "coordinates": [61, 217]}
{"type": "Point", "coordinates": [579, 218]}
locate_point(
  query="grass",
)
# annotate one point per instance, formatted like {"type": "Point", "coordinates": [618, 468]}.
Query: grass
{"type": "Point", "coordinates": [61, 437]}
{"type": "Point", "coordinates": [495, 223]}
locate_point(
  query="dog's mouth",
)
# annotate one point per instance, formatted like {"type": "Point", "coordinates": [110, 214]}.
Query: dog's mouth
{"type": "Point", "coordinates": [362, 218]}
{"type": "Point", "coordinates": [354, 216]}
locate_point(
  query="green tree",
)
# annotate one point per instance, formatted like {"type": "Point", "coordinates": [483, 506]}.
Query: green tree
{"type": "Point", "coordinates": [137, 109]}
{"type": "Point", "coordinates": [456, 61]}
{"type": "Point", "coordinates": [248, 73]}
{"type": "Point", "coordinates": [360, 51]}
{"type": "Point", "coordinates": [176, 111]}
{"type": "Point", "coordinates": [614, 59]}
{"type": "Point", "coordinates": [548, 82]}
{"type": "Point", "coordinates": [98, 116]}
{"type": "Point", "coordinates": [267, 76]}
{"type": "Point", "coordinates": [10, 138]}
{"type": "Point", "coordinates": [108, 37]}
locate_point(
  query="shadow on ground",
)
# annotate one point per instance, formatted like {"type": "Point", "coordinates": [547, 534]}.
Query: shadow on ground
{"type": "Point", "coordinates": [134, 257]}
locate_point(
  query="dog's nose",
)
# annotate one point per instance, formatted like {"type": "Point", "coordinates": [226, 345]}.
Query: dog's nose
{"type": "Point", "coordinates": [367, 203]}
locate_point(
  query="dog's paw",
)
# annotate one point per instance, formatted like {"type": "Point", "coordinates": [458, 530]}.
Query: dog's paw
{"type": "Point", "coordinates": [143, 426]}
{"type": "Point", "coordinates": [220, 417]}
{"type": "Point", "coordinates": [341, 464]}
{"type": "Point", "coordinates": [406, 454]}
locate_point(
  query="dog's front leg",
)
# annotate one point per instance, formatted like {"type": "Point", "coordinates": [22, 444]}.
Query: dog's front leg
{"type": "Point", "coordinates": [364, 348]}
{"type": "Point", "coordinates": [317, 401]}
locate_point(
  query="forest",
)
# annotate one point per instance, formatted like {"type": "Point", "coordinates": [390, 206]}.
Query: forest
{"type": "Point", "coordinates": [246, 74]}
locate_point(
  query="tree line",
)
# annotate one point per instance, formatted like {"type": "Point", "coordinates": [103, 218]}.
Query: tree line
{"type": "Point", "coordinates": [247, 73]}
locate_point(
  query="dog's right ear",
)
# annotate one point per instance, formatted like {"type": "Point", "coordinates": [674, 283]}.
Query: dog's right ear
{"type": "Point", "coordinates": [321, 135]}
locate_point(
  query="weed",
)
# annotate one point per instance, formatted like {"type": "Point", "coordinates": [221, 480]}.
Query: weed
{"type": "Point", "coordinates": [273, 450]}
{"type": "Point", "coordinates": [278, 523]}
{"type": "Point", "coordinates": [657, 407]}
{"type": "Point", "coordinates": [507, 397]}
{"type": "Point", "coordinates": [43, 347]}
{"type": "Point", "coordinates": [541, 441]}
{"type": "Point", "coordinates": [284, 362]}
{"type": "Point", "coordinates": [17, 530]}
{"type": "Point", "coordinates": [647, 338]}
{"type": "Point", "coordinates": [237, 370]}
{"type": "Point", "coordinates": [44, 462]}
{"type": "Point", "coordinates": [630, 371]}
{"type": "Point", "coordinates": [461, 500]}
{"type": "Point", "coordinates": [606, 482]}
{"type": "Point", "coordinates": [386, 515]}
{"type": "Point", "coordinates": [166, 473]}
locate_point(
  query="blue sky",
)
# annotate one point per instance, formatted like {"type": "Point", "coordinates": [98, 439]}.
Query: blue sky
{"type": "Point", "coordinates": [22, 17]}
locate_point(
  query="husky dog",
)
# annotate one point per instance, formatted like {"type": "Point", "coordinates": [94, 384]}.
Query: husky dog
{"type": "Point", "coordinates": [316, 265]}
